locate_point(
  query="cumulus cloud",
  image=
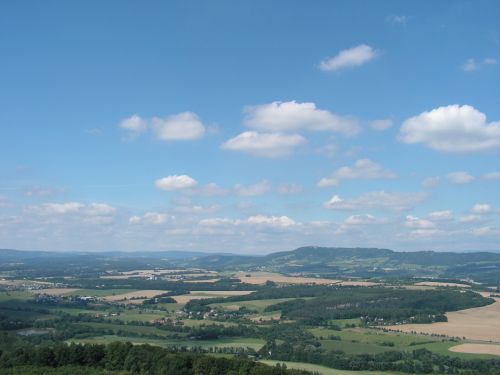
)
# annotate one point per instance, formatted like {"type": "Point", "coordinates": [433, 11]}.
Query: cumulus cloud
{"type": "Point", "coordinates": [155, 218]}
{"type": "Point", "coordinates": [454, 128]}
{"type": "Point", "coordinates": [99, 209]}
{"type": "Point", "coordinates": [361, 220]}
{"type": "Point", "coordinates": [175, 182]}
{"type": "Point", "coordinates": [381, 125]}
{"type": "Point", "coordinates": [134, 219]}
{"type": "Point", "coordinates": [268, 145]}
{"type": "Point", "coordinates": [441, 215]}
{"type": "Point", "coordinates": [362, 169]}
{"type": "Point", "coordinates": [197, 209]}
{"type": "Point", "coordinates": [134, 125]}
{"type": "Point", "coordinates": [273, 221]}
{"type": "Point", "coordinates": [181, 127]}
{"type": "Point", "coordinates": [150, 218]}
{"type": "Point", "coordinates": [348, 58]}
{"type": "Point", "coordinates": [460, 178]}
{"type": "Point", "coordinates": [481, 208]}
{"type": "Point", "coordinates": [430, 182]}
{"type": "Point", "coordinates": [395, 201]}
{"type": "Point", "coordinates": [255, 220]}
{"type": "Point", "coordinates": [253, 190]}
{"type": "Point", "coordinates": [293, 116]}
{"type": "Point", "coordinates": [61, 208]}
{"type": "Point", "coordinates": [415, 222]}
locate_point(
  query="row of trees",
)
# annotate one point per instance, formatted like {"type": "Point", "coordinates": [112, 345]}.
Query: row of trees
{"type": "Point", "coordinates": [416, 361]}
{"type": "Point", "coordinates": [125, 358]}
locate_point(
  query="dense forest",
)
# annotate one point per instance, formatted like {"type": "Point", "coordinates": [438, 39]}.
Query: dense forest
{"type": "Point", "coordinates": [125, 358]}
{"type": "Point", "coordinates": [376, 305]}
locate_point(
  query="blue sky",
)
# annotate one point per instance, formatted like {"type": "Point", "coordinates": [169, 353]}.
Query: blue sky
{"type": "Point", "coordinates": [249, 126]}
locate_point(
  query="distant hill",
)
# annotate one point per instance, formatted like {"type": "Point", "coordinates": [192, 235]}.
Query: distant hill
{"type": "Point", "coordinates": [360, 262]}
{"type": "Point", "coordinates": [310, 260]}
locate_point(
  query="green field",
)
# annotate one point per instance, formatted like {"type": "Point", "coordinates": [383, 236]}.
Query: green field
{"type": "Point", "coordinates": [257, 305]}
{"type": "Point", "coordinates": [372, 341]}
{"type": "Point", "coordinates": [321, 369]}
{"type": "Point", "coordinates": [241, 342]}
{"type": "Point", "coordinates": [99, 292]}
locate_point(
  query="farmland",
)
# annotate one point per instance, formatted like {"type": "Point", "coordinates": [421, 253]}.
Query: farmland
{"type": "Point", "coordinates": [481, 323]}
{"type": "Point", "coordinates": [306, 321]}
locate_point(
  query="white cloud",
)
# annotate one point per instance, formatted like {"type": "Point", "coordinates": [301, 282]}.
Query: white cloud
{"type": "Point", "coordinates": [150, 218]}
{"type": "Point", "coordinates": [415, 222]}
{"type": "Point", "coordinates": [134, 219]}
{"type": "Point", "coordinates": [481, 208]}
{"type": "Point", "coordinates": [460, 178]}
{"type": "Point", "coordinates": [362, 169]}
{"type": "Point", "coordinates": [441, 215]}
{"type": "Point", "coordinates": [397, 19]}
{"type": "Point", "coordinates": [269, 145]}
{"type": "Point", "coordinates": [430, 182]}
{"type": "Point", "coordinates": [471, 65]}
{"type": "Point", "coordinates": [348, 58]}
{"type": "Point", "coordinates": [61, 208]}
{"type": "Point", "coordinates": [253, 190]}
{"type": "Point", "coordinates": [175, 182]}
{"type": "Point", "coordinates": [255, 220]}
{"type": "Point", "coordinates": [361, 220]}
{"type": "Point", "coordinates": [99, 209]}
{"type": "Point", "coordinates": [154, 218]}
{"type": "Point", "coordinates": [292, 116]}
{"type": "Point", "coordinates": [470, 218]}
{"type": "Point", "coordinates": [457, 129]}
{"type": "Point", "coordinates": [134, 125]}
{"type": "Point", "coordinates": [181, 127]}
{"type": "Point", "coordinates": [394, 201]}
{"type": "Point", "coordinates": [273, 221]}
{"type": "Point", "coordinates": [381, 125]}
{"type": "Point", "coordinates": [492, 176]}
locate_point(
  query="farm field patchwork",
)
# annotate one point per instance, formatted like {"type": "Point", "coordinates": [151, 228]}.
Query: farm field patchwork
{"type": "Point", "coordinates": [184, 298]}
{"type": "Point", "coordinates": [260, 278]}
{"type": "Point", "coordinates": [479, 323]}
